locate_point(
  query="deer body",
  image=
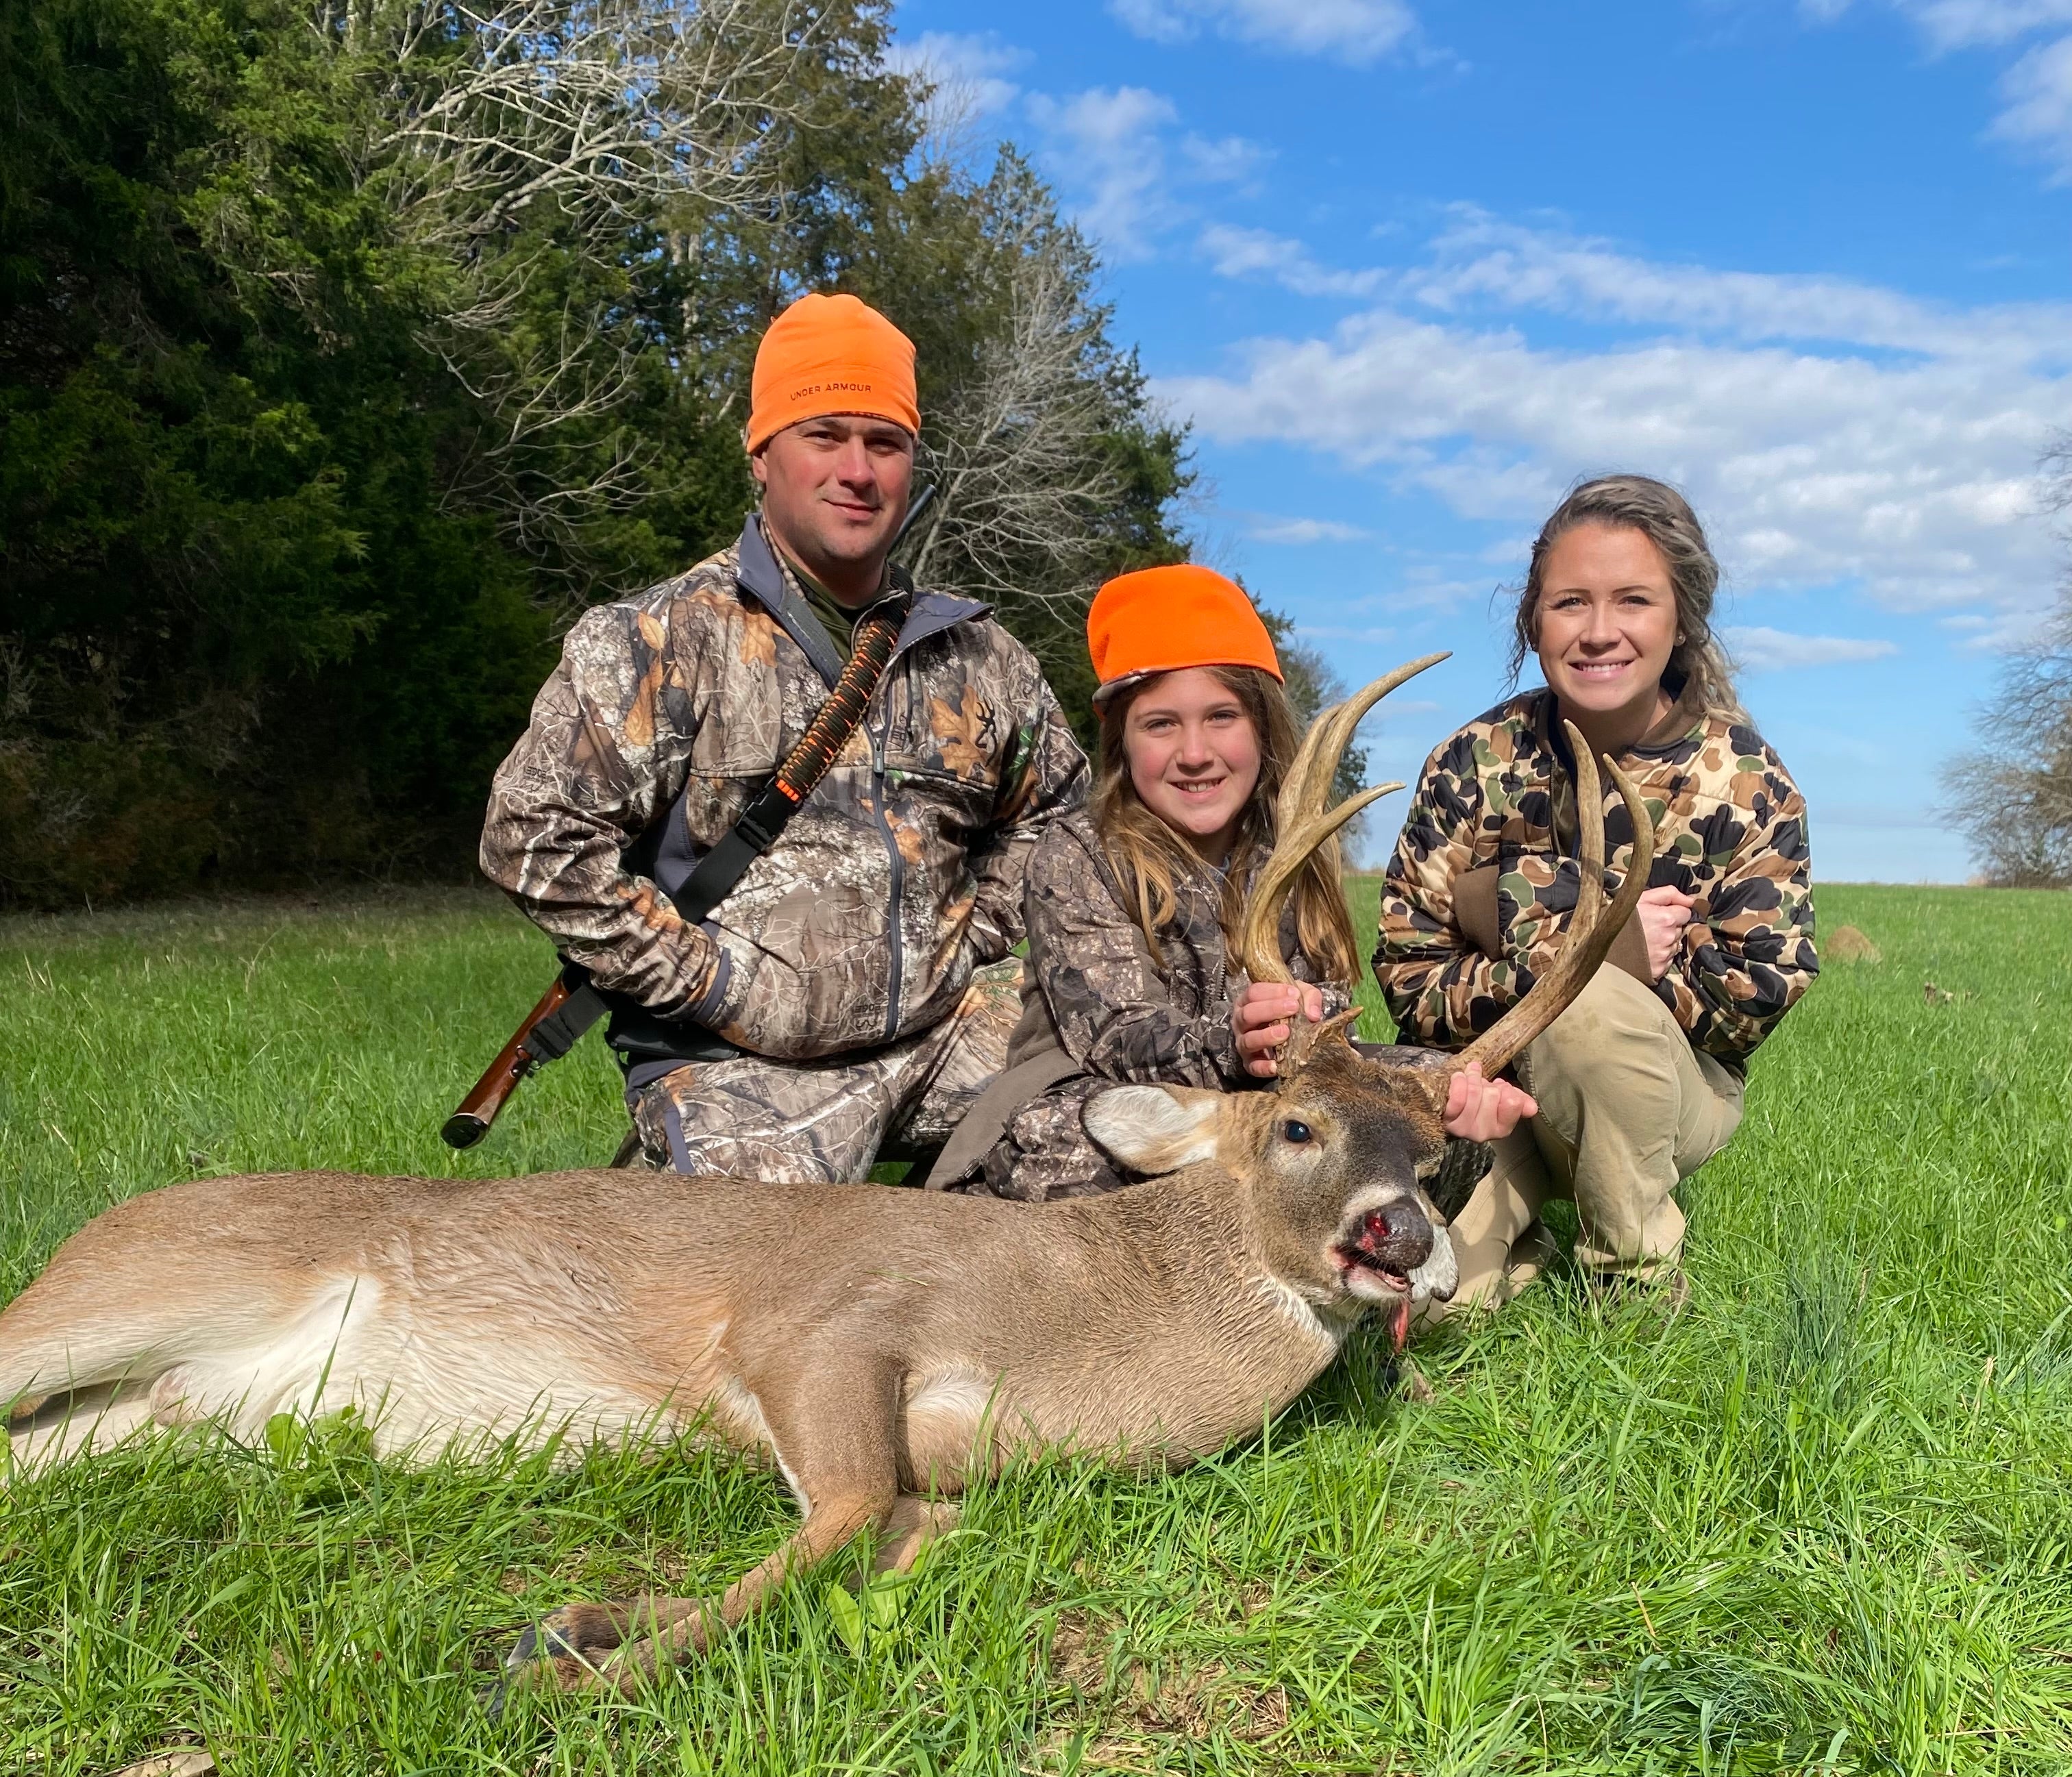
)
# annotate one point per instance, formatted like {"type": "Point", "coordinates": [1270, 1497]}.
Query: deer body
{"type": "Point", "coordinates": [881, 1346]}
{"type": "Point", "coordinates": [1146, 1324]}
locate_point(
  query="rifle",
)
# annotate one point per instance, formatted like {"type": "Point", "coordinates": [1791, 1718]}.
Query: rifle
{"type": "Point", "coordinates": [547, 1033]}
{"type": "Point", "coordinates": [572, 1005]}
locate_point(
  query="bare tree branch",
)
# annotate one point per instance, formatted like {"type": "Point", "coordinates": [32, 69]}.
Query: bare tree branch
{"type": "Point", "coordinates": [505, 136]}
{"type": "Point", "coordinates": [1018, 454]}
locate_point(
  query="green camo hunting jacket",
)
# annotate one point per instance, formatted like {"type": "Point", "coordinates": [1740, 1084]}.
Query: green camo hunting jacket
{"type": "Point", "coordinates": [901, 873]}
{"type": "Point", "coordinates": [1731, 830]}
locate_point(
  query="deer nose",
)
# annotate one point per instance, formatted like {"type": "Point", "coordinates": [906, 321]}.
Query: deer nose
{"type": "Point", "coordinates": [1396, 1234]}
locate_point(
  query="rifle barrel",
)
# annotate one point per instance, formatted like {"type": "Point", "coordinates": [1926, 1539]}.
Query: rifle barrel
{"type": "Point", "coordinates": [474, 1115]}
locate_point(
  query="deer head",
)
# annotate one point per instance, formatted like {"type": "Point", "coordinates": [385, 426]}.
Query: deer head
{"type": "Point", "coordinates": [1333, 1158]}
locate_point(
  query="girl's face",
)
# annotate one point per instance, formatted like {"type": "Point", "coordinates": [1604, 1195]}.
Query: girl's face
{"type": "Point", "coordinates": [1194, 756]}
{"type": "Point", "coordinates": [1607, 616]}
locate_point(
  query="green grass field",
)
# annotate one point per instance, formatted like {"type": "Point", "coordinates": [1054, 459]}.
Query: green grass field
{"type": "Point", "coordinates": [1822, 1521]}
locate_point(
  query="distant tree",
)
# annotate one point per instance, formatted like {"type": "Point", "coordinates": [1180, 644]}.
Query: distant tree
{"type": "Point", "coordinates": [2012, 793]}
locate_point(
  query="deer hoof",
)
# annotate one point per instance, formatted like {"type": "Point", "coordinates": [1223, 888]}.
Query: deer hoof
{"type": "Point", "coordinates": [570, 1649]}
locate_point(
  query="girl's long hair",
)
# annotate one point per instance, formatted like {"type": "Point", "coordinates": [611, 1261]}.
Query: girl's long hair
{"type": "Point", "coordinates": [1147, 854]}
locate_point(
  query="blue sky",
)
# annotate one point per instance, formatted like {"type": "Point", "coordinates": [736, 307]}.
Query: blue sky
{"type": "Point", "coordinates": [1408, 270]}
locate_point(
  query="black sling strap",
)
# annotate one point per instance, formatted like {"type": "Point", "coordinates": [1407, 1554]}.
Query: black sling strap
{"type": "Point", "coordinates": [756, 829]}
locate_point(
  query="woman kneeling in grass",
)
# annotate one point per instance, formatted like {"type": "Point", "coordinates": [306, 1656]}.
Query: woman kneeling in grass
{"type": "Point", "coordinates": [1133, 903]}
{"type": "Point", "coordinates": [1639, 1082]}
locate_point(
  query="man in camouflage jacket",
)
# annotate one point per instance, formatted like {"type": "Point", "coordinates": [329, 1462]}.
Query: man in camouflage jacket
{"type": "Point", "coordinates": [856, 983]}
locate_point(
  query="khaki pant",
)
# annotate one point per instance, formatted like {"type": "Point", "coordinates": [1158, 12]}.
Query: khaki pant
{"type": "Point", "coordinates": [824, 1122]}
{"type": "Point", "coordinates": [1627, 1109]}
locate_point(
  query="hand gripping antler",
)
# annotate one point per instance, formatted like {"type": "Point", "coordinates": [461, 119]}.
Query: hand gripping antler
{"type": "Point", "coordinates": [1592, 928]}
{"type": "Point", "coordinates": [1301, 822]}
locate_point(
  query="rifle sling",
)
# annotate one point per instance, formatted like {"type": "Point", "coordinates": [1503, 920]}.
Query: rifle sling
{"type": "Point", "coordinates": [754, 832]}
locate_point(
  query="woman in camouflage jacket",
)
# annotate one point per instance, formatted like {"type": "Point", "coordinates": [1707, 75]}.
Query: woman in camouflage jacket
{"type": "Point", "coordinates": [1640, 1081]}
{"type": "Point", "coordinates": [1132, 904]}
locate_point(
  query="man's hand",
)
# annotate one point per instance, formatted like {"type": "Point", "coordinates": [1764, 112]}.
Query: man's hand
{"type": "Point", "coordinates": [1260, 1018]}
{"type": "Point", "coordinates": [1664, 912]}
{"type": "Point", "coordinates": [1483, 1111]}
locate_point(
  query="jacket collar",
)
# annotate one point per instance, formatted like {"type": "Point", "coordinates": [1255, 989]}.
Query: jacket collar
{"type": "Point", "coordinates": [758, 576]}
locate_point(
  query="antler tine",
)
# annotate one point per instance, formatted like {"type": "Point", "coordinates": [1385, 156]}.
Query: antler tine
{"type": "Point", "coordinates": [1301, 822]}
{"type": "Point", "coordinates": [1588, 944]}
{"type": "Point", "coordinates": [1308, 779]}
{"type": "Point", "coordinates": [1590, 833]}
{"type": "Point", "coordinates": [1260, 942]}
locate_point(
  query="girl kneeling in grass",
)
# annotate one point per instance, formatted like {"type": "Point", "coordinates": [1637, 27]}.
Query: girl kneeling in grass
{"type": "Point", "coordinates": [1133, 903]}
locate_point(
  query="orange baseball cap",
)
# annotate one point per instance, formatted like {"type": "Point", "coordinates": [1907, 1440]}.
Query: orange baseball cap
{"type": "Point", "coordinates": [1163, 619]}
{"type": "Point", "coordinates": [831, 354]}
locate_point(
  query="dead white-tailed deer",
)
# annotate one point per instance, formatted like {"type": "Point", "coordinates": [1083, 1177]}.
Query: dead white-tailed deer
{"type": "Point", "coordinates": [880, 1345]}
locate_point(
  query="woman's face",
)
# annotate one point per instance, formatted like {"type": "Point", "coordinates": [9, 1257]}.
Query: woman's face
{"type": "Point", "coordinates": [1607, 617]}
{"type": "Point", "coordinates": [1194, 755]}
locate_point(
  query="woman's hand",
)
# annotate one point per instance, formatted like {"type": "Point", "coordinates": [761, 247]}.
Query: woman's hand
{"type": "Point", "coordinates": [1484, 1111]}
{"type": "Point", "coordinates": [1664, 912]}
{"type": "Point", "coordinates": [1260, 1019]}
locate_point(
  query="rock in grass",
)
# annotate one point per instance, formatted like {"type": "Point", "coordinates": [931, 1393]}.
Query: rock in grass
{"type": "Point", "coordinates": [1846, 944]}
{"type": "Point", "coordinates": [181, 1762]}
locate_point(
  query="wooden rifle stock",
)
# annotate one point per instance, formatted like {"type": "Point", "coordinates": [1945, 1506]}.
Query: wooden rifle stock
{"type": "Point", "coordinates": [472, 1117]}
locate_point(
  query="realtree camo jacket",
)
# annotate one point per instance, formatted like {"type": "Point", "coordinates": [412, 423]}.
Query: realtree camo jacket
{"type": "Point", "coordinates": [1097, 1009]}
{"type": "Point", "coordinates": [1731, 829]}
{"type": "Point", "coordinates": [1116, 1013]}
{"type": "Point", "coordinates": [901, 874]}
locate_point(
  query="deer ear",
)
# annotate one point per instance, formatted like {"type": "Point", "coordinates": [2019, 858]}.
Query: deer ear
{"type": "Point", "coordinates": [1154, 1129]}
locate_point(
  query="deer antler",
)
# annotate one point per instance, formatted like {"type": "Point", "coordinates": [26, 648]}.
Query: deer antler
{"type": "Point", "coordinates": [1592, 928]}
{"type": "Point", "coordinates": [1301, 822]}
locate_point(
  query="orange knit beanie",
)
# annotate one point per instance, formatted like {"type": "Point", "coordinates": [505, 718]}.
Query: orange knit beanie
{"type": "Point", "coordinates": [831, 354]}
{"type": "Point", "coordinates": [1162, 619]}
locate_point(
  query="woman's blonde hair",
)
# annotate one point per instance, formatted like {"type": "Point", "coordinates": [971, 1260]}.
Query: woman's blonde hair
{"type": "Point", "coordinates": [1147, 854]}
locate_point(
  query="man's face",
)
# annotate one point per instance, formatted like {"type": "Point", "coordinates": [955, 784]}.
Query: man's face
{"type": "Point", "coordinates": [834, 491]}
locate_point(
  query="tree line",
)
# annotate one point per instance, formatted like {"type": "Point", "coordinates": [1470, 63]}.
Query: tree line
{"type": "Point", "coordinates": [349, 348]}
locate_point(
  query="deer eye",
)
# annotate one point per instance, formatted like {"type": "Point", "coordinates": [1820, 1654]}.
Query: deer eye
{"type": "Point", "coordinates": [1296, 1131]}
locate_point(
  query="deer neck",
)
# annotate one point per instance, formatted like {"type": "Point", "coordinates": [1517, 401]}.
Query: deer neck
{"type": "Point", "coordinates": [1197, 1231]}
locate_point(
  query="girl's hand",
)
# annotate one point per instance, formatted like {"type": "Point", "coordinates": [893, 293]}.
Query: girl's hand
{"type": "Point", "coordinates": [1663, 914]}
{"type": "Point", "coordinates": [1483, 1110]}
{"type": "Point", "coordinates": [1260, 1018]}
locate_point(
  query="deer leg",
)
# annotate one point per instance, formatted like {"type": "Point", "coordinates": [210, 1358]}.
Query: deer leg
{"type": "Point", "coordinates": [913, 1524]}
{"type": "Point", "coordinates": [834, 1445]}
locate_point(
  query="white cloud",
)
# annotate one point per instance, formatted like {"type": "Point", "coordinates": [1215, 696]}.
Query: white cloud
{"type": "Point", "coordinates": [1480, 260]}
{"type": "Point", "coordinates": [1108, 143]}
{"type": "Point", "coordinates": [1109, 148]}
{"type": "Point", "coordinates": [968, 69]}
{"type": "Point", "coordinates": [1959, 24]}
{"type": "Point", "coordinates": [2038, 113]}
{"type": "Point", "coordinates": [1826, 431]}
{"type": "Point", "coordinates": [1358, 31]}
{"type": "Point", "coordinates": [1338, 632]}
{"type": "Point", "coordinates": [1243, 252]}
{"type": "Point", "coordinates": [1761, 649]}
{"type": "Point", "coordinates": [1264, 529]}
{"type": "Point", "coordinates": [1230, 160]}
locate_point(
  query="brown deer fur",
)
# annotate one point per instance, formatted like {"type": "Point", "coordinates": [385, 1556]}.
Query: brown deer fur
{"type": "Point", "coordinates": [881, 1346]}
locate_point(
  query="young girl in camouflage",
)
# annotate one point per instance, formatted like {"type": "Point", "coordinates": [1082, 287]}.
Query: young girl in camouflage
{"type": "Point", "coordinates": [1133, 902]}
{"type": "Point", "coordinates": [1639, 1082]}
